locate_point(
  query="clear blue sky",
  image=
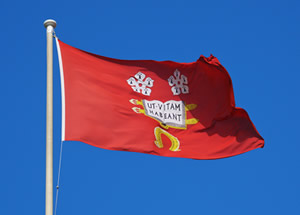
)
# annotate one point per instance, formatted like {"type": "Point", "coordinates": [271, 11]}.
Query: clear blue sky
{"type": "Point", "coordinates": [257, 42]}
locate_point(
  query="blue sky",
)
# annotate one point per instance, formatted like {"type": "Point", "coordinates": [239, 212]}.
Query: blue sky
{"type": "Point", "coordinates": [256, 41]}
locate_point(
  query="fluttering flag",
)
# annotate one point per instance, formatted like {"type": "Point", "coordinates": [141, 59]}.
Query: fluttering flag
{"type": "Point", "coordinates": [157, 107]}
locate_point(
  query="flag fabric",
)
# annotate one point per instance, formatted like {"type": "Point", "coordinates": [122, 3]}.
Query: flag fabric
{"type": "Point", "coordinates": [157, 107]}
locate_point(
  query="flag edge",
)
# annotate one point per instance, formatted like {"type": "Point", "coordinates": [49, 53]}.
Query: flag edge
{"type": "Point", "coordinates": [63, 104]}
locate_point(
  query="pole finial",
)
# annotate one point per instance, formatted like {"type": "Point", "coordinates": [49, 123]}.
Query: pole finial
{"type": "Point", "coordinates": [50, 22]}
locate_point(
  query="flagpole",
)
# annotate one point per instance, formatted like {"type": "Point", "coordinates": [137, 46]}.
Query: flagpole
{"type": "Point", "coordinates": [49, 25]}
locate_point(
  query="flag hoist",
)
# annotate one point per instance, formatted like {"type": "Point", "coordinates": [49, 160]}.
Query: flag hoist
{"type": "Point", "coordinates": [49, 25]}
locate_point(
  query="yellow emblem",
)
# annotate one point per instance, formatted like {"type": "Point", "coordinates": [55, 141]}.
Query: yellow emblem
{"type": "Point", "coordinates": [158, 142]}
{"type": "Point", "coordinates": [170, 114]}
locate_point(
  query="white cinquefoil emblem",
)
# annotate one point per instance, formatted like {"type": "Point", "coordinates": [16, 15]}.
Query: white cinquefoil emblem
{"type": "Point", "coordinates": [178, 83]}
{"type": "Point", "coordinates": [139, 85]}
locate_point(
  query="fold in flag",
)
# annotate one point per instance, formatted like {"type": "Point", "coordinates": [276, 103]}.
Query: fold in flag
{"type": "Point", "coordinates": [156, 107]}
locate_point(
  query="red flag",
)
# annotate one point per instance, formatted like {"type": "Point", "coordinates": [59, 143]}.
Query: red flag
{"type": "Point", "coordinates": [156, 107]}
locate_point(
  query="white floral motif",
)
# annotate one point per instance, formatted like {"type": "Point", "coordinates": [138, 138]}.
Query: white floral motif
{"type": "Point", "coordinates": [139, 85]}
{"type": "Point", "coordinates": [178, 83]}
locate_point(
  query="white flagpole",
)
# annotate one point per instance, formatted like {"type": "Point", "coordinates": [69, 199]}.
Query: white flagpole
{"type": "Point", "coordinates": [49, 25]}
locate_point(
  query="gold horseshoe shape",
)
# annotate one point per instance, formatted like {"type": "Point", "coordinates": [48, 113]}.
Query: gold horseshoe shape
{"type": "Point", "coordinates": [158, 142]}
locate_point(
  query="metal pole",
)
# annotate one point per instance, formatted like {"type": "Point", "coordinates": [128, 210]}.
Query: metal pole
{"type": "Point", "coordinates": [49, 25]}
